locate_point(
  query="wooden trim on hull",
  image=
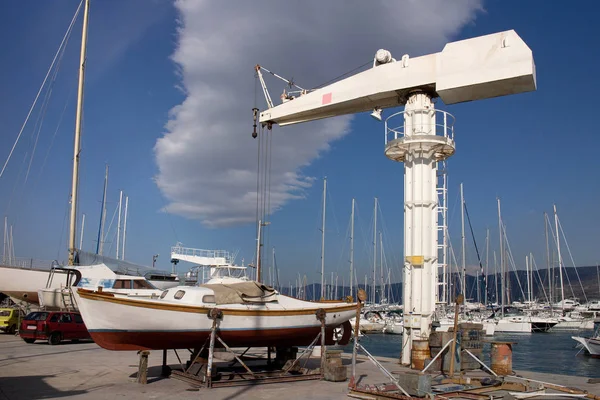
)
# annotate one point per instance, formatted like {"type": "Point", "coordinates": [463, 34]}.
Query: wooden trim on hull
{"type": "Point", "coordinates": [159, 340]}
{"type": "Point", "coordinates": [108, 297]}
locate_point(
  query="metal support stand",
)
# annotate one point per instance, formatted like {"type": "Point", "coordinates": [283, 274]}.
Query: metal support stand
{"type": "Point", "coordinates": [165, 370]}
{"type": "Point", "coordinates": [321, 314]}
{"type": "Point", "coordinates": [249, 376]}
{"type": "Point", "coordinates": [215, 314]}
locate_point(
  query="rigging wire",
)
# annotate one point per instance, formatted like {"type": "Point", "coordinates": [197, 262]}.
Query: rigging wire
{"type": "Point", "coordinates": [572, 260]}
{"type": "Point", "coordinates": [65, 37]}
{"type": "Point", "coordinates": [477, 252]}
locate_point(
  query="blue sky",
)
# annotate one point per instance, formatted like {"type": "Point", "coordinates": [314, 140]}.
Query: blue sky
{"type": "Point", "coordinates": [145, 58]}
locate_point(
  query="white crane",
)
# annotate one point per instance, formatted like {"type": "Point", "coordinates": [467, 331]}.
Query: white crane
{"type": "Point", "coordinates": [484, 67]}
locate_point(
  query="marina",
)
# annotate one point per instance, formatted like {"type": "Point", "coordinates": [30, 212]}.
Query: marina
{"type": "Point", "coordinates": [430, 322]}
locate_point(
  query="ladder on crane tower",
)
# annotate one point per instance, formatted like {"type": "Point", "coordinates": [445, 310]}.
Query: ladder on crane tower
{"type": "Point", "coordinates": [442, 231]}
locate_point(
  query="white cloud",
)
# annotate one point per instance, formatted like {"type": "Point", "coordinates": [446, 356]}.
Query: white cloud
{"type": "Point", "coordinates": [207, 159]}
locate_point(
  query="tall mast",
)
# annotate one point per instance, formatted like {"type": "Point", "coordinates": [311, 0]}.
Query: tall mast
{"type": "Point", "coordinates": [487, 263]}
{"type": "Point", "coordinates": [463, 242]}
{"type": "Point", "coordinates": [100, 244]}
{"type": "Point", "coordinates": [496, 276]}
{"type": "Point", "coordinates": [77, 142]}
{"type": "Point", "coordinates": [81, 234]}
{"type": "Point", "coordinates": [6, 239]}
{"type": "Point", "coordinates": [548, 258]}
{"type": "Point", "coordinates": [528, 283]}
{"type": "Point", "coordinates": [258, 252]}
{"type": "Point", "coordinates": [560, 268]}
{"type": "Point", "coordinates": [351, 247]}
{"type": "Point", "coordinates": [124, 228]}
{"type": "Point", "coordinates": [501, 256]}
{"type": "Point", "coordinates": [374, 251]}
{"type": "Point", "coordinates": [119, 224]}
{"type": "Point", "coordinates": [381, 264]}
{"type": "Point", "coordinates": [323, 240]}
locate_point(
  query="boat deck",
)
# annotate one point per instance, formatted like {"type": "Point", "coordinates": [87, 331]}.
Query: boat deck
{"type": "Point", "coordinates": [85, 371]}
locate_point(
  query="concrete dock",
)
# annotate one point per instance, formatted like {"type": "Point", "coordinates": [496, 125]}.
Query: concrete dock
{"type": "Point", "coordinates": [85, 371]}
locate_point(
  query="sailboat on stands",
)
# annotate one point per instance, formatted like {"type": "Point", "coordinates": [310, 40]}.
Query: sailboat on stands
{"type": "Point", "coordinates": [253, 314]}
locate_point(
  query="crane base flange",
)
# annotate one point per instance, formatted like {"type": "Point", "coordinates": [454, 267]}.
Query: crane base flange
{"type": "Point", "coordinates": [438, 147]}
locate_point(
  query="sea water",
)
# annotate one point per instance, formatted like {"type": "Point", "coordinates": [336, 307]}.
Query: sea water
{"type": "Point", "coordinates": [552, 352]}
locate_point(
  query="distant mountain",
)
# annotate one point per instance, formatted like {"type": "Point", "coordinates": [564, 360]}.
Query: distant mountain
{"type": "Point", "coordinates": [517, 283]}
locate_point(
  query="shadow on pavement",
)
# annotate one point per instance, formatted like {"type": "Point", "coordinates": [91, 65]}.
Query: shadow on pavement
{"type": "Point", "coordinates": [32, 388]}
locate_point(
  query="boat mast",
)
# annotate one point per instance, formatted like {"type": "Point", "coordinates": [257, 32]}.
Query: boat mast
{"type": "Point", "coordinates": [373, 292]}
{"type": "Point", "coordinates": [496, 276]}
{"type": "Point", "coordinates": [119, 224]}
{"type": "Point", "coordinates": [100, 244]}
{"type": "Point", "coordinates": [351, 247]}
{"type": "Point", "coordinates": [81, 235]}
{"type": "Point", "coordinates": [548, 259]}
{"type": "Point", "coordinates": [258, 252]}
{"type": "Point", "coordinates": [77, 143]}
{"type": "Point", "coordinates": [5, 240]}
{"type": "Point", "coordinates": [487, 263]}
{"type": "Point", "coordinates": [323, 240]}
{"type": "Point", "coordinates": [381, 266]}
{"type": "Point", "coordinates": [562, 287]}
{"type": "Point", "coordinates": [528, 283]}
{"type": "Point", "coordinates": [463, 243]}
{"type": "Point", "coordinates": [124, 228]}
{"type": "Point", "coordinates": [501, 257]}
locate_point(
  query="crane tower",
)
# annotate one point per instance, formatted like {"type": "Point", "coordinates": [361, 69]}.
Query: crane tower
{"type": "Point", "coordinates": [420, 136]}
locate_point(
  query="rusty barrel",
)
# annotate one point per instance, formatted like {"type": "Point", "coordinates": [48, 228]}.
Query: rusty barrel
{"type": "Point", "coordinates": [501, 355]}
{"type": "Point", "coordinates": [420, 353]}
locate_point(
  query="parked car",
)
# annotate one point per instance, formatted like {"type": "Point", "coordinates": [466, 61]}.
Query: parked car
{"type": "Point", "coordinates": [9, 319]}
{"type": "Point", "coordinates": [53, 326]}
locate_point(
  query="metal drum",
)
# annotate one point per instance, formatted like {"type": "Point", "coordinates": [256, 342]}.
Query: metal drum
{"type": "Point", "coordinates": [501, 355]}
{"type": "Point", "coordinates": [420, 353]}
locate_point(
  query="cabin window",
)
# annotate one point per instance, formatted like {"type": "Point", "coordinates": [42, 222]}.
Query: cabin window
{"type": "Point", "coordinates": [78, 318]}
{"type": "Point", "coordinates": [208, 298]}
{"type": "Point", "coordinates": [122, 284]}
{"type": "Point", "coordinates": [141, 284]}
{"type": "Point", "coordinates": [162, 296]}
{"type": "Point", "coordinates": [5, 313]}
{"type": "Point", "coordinates": [179, 294]}
{"type": "Point", "coordinates": [55, 318]}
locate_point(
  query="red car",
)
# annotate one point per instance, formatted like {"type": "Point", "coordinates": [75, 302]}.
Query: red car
{"type": "Point", "coordinates": [53, 326]}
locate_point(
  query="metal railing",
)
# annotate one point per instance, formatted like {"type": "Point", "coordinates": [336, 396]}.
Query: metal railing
{"type": "Point", "coordinates": [26, 263]}
{"type": "Point", "coordinates": [445, 126]}
{"type": "Point", "coordinates": [191, 252]}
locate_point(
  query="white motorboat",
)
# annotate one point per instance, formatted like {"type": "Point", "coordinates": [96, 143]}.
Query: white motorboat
{"type": "Point", "coordinates": [591, 344]}
{"type": "Point", "coordinates": [253, 315]}
{"type": "Point", "coordinates": [574, 321]}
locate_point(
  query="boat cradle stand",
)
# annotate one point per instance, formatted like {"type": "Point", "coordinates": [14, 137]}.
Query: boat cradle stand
{"type": "Point", "coordinates": [206, 375]}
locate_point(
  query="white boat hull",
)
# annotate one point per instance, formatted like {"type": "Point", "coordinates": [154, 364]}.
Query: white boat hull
{"type": "Point", "coordinates": [592, 345]}
{"type": "Point", "coordinates": [507, 326]}
{"type": "Point", "coordinates": [23, 284]}
{"type": "Point", "coordinates": [574, 325]}
{"type": "Point", "coordinates": [126, 324]}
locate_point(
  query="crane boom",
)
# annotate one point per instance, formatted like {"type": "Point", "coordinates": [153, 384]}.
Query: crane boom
{"type": "Point", "coordinates": [483, 67]}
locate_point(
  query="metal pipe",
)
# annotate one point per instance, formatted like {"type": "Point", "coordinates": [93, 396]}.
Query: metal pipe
{"type": "Point", "coordinates": [323, 239]}
{"type": "Point", "coordinates": [352, 247]}
{"type": "Point", "coordinates": [437, 355]}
